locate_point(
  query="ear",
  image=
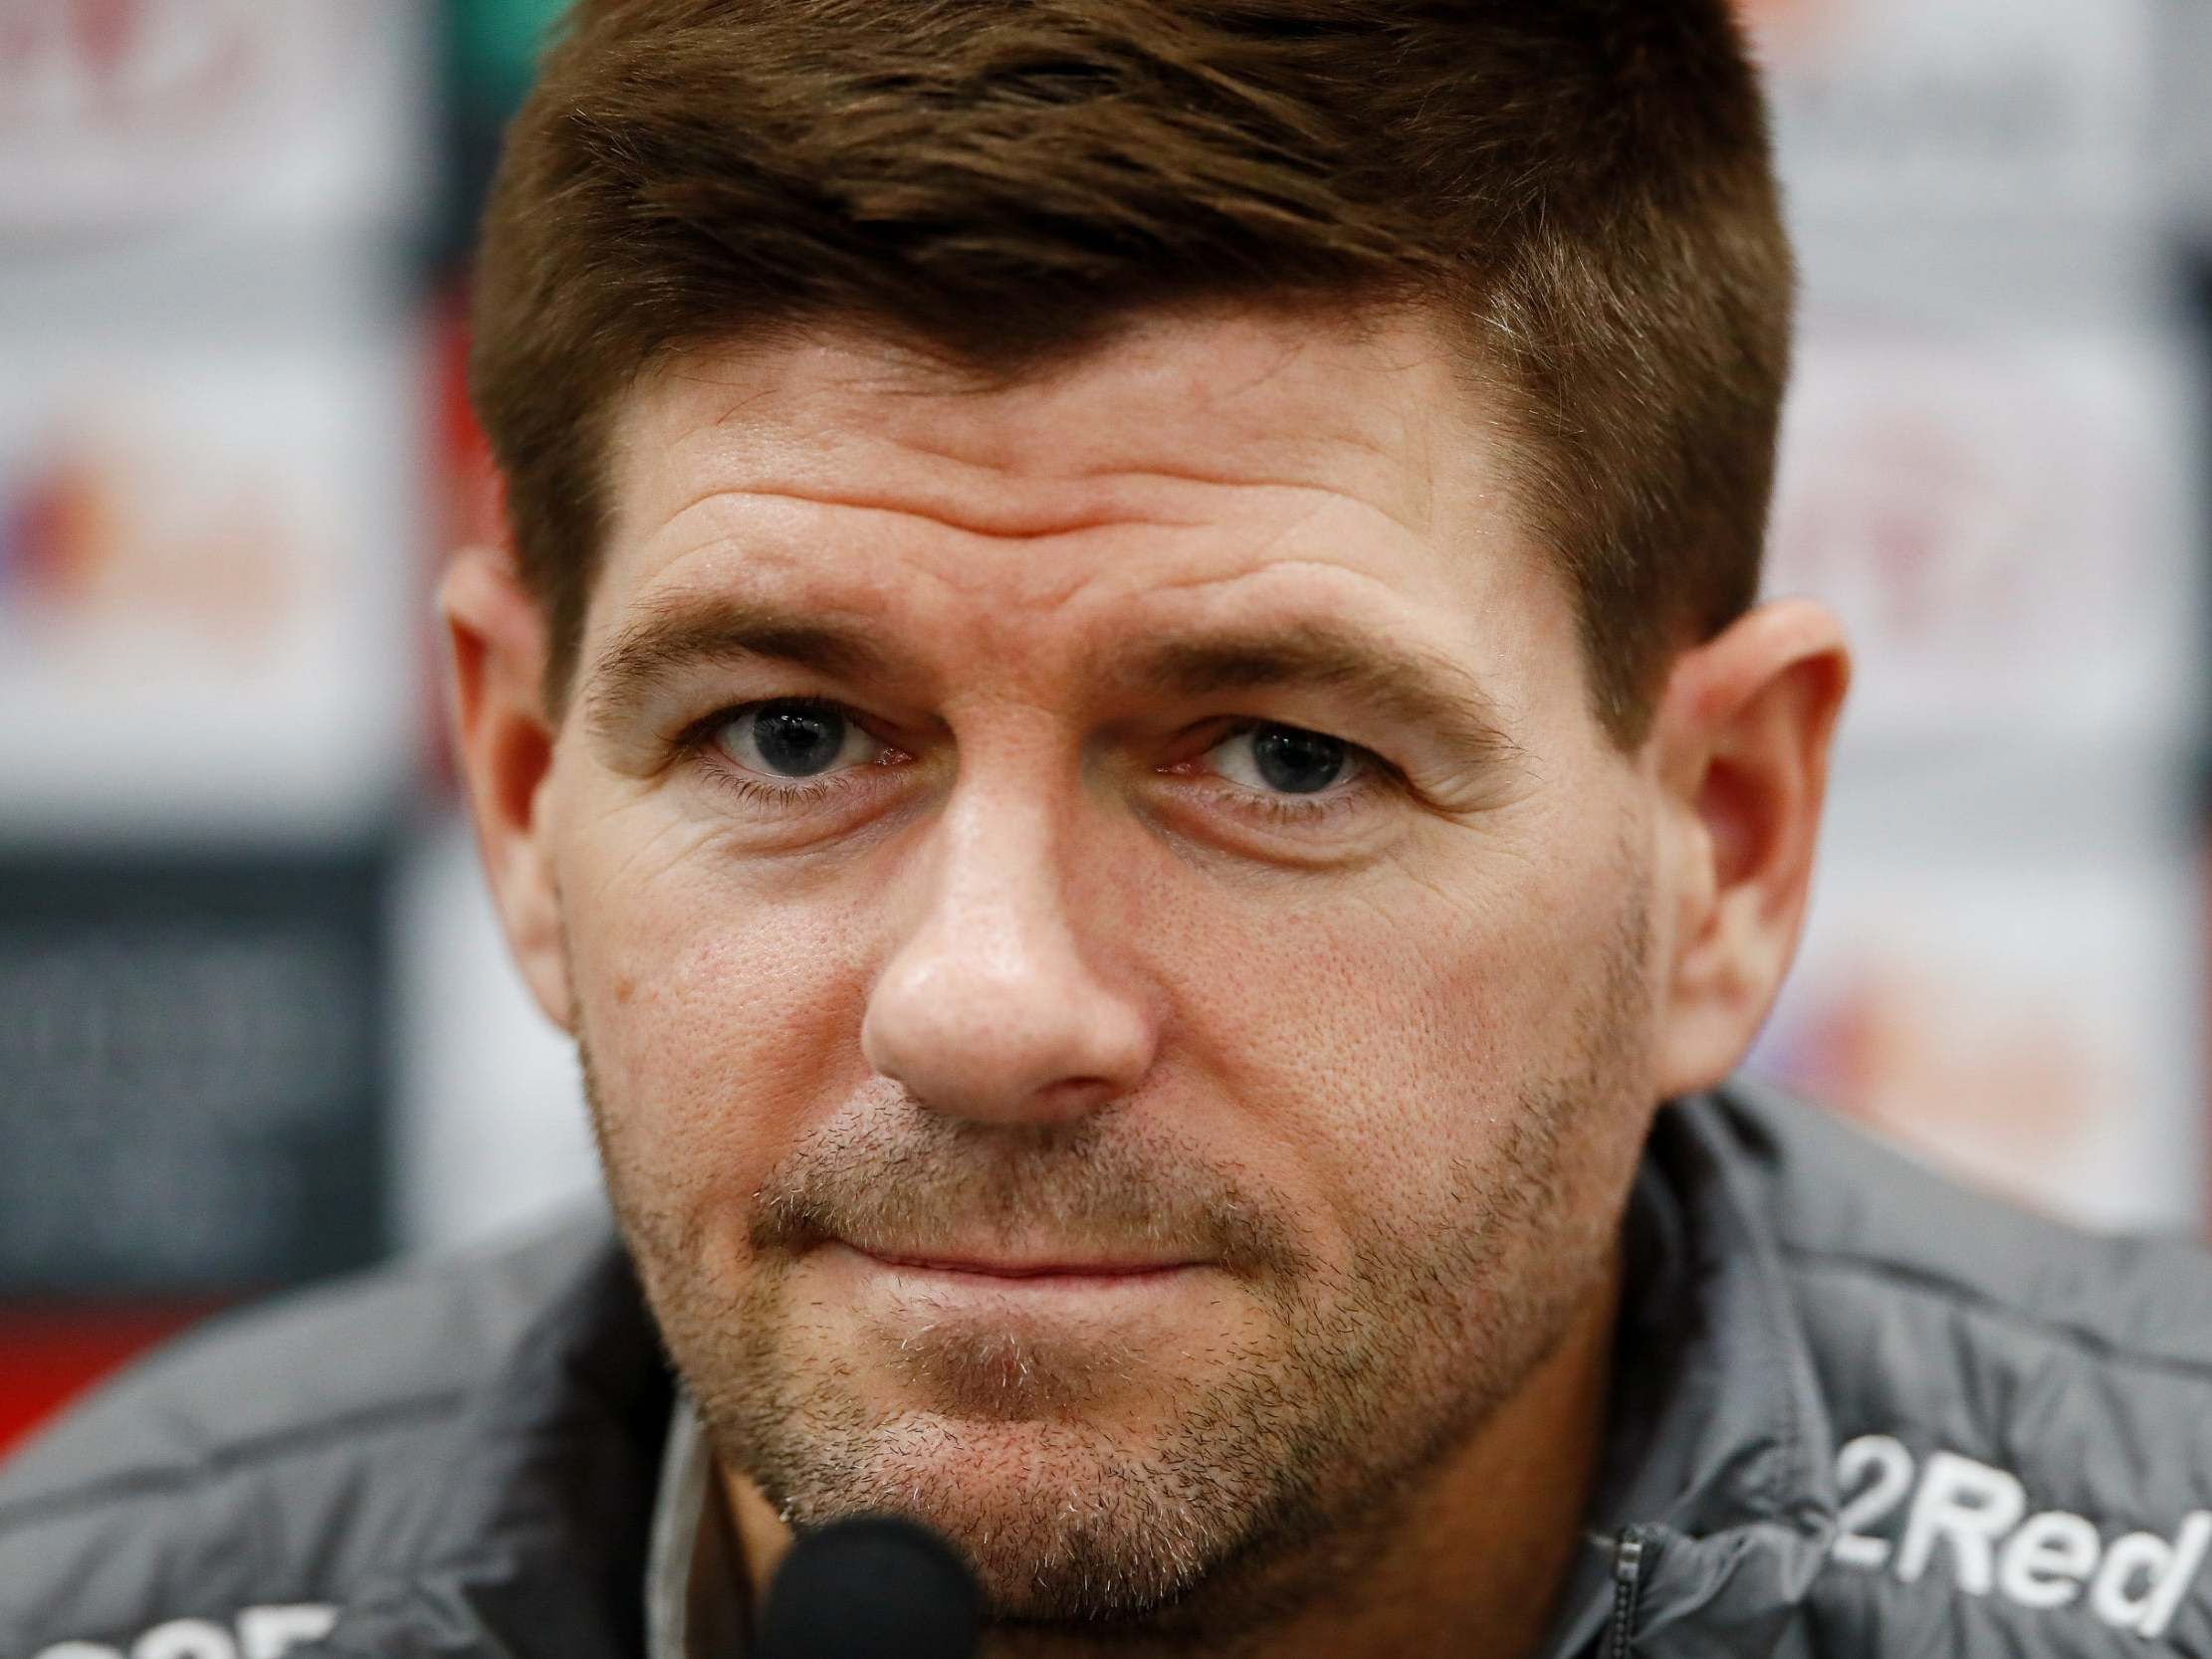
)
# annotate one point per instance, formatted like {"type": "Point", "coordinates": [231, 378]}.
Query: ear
{"type": "Point", "coordinates": [1740, 743]}
{"type": "Point", "coordinates": [505, 744]}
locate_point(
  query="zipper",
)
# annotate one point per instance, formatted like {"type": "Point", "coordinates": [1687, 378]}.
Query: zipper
{"type": "Point", "coordinates": [1627, 1565]}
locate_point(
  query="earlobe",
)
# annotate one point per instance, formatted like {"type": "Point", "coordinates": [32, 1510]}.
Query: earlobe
{"type": "Point", "coordinates": [1743, 735]}
{"type": "Point", "coordinates": [505, 745]}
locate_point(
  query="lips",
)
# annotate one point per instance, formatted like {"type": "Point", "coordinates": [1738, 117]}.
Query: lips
{"type": "Point", "coordinates": [987, 1267]}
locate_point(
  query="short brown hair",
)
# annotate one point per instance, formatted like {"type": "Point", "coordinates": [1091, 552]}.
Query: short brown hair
{"type": "Point", "coordinates": [1582, 187]}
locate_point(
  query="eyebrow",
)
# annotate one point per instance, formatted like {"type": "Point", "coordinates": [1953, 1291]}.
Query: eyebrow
{"type": "Point", "coordinates": [686, 633]}
{"type": "Point", "coordinates": [1413, 689]}
{"type": "Point", "coordinates": [1420, 690]}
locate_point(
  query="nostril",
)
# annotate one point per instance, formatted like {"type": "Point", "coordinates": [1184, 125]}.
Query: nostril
{"type": "Point", "coordinates": [1001, 1070]}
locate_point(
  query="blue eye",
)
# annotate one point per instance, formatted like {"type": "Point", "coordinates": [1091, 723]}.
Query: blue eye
{"type": "Point", "coordinates": [793, 738]}
{"type": "Point", "coordinates": [1286, 759]}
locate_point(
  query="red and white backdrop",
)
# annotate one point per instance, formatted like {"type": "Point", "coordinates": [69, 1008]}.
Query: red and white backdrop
{"type": "Point", "coordinates": [212, 544]}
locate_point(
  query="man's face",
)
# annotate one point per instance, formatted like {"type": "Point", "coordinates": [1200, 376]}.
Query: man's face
{"type": "Point", "coordinates": [1111, 953]}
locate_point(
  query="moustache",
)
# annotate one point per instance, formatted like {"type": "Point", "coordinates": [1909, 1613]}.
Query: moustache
{"type": "Point", "coordinates": [911, 1181]}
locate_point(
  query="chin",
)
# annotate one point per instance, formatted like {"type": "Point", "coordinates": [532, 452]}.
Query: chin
{"type": "Point", "coordinates": [1062, 1521]}
{"type": "Point", "coordinates": [1018, 1374]}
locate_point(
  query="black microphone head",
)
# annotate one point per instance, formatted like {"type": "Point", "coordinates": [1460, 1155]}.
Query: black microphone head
{"type": "Point", "coordinates": [872, 1587]}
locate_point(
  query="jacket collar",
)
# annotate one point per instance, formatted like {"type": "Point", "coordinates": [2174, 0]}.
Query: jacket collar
{"type": "Point", "coordinates": [1717, 1497]}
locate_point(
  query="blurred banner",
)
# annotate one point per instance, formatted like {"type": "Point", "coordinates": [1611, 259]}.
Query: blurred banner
{"type": "Point", "coordinates": [1970, 114]}
{"type": "Point", "coordinates": [213, 557]}
{"type": "Point", "coordinates": [227, 119]}
{"type": "Point", "coordinates": [191, 1070]}
{"type": "Point", "coordinates": [1993, 470]}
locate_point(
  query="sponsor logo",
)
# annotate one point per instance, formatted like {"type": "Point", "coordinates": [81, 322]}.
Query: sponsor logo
{"type": "Point", "coordinates": [130, 522]}
{"type": "Point", "coordinates": [121, 112]}
{"type": "Point", "coordinates": [1904, 1516]}
{"type": "Point", "coordinates": [125, 64]}
{"type": "Point", "coordinates": [257, 1633]}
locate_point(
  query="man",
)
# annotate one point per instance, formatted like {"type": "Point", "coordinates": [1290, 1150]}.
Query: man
{"type": "Point", "coordinates": [1125, 717]}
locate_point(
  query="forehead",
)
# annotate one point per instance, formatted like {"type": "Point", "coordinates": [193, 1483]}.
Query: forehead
{"type": "Point", "coordinates": [1227, 397]}
{"type": "Point", "coordinates": [1191, 452]}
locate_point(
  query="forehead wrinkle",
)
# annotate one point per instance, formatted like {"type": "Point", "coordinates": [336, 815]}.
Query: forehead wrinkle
{"type": "Point", "coordinates": [804, 425]}
{"type": "Point", "coordinates": [1010, 518]}
{"type": "Point", "coordinates": [943, 517]}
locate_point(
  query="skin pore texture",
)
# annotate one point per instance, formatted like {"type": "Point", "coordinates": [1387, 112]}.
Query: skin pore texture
{"type": "Point", "coordinates": [1178, 1160]}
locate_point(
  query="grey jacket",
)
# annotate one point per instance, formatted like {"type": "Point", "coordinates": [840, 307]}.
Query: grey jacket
{"type": "Point", "coordinates": [1857, 1412]}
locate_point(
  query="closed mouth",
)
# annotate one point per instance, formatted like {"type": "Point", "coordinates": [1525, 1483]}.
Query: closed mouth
{"type": "Point", "coordinates": [982, 1267]}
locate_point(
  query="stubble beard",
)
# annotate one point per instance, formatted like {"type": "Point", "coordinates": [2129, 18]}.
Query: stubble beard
{"type": "Point", "coordinates": [1268, 1484]}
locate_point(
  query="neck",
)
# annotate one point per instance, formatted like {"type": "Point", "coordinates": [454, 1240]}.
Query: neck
{"type": "Point", "coordinates": [1469, 1565]}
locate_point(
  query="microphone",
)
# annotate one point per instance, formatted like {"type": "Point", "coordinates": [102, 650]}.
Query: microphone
{"type": "Point", "coordinates": [872, 1587]}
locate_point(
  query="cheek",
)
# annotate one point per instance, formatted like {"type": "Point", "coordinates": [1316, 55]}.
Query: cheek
{"type": "Point", "coordinates": [1379, 1036]}
{"type": "Point", "coordinates": [720, 1001]}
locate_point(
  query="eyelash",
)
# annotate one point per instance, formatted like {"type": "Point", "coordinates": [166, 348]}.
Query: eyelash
{"type": "Point", "coordinates": [775, 791]}
{"type": "Point", "coordinates": [697, 741]}
{"type": "Point", "coordinates": [1302, 810]}
{"type": "Point", "coordinates": [696, 744]}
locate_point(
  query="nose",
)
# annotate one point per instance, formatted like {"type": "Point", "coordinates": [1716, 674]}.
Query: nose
{"type": "Point", "coordinates": [993, 1007]}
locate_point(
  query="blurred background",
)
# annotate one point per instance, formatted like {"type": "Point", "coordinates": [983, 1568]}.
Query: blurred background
{"type": "Point", "coordinates": [255, 1025]}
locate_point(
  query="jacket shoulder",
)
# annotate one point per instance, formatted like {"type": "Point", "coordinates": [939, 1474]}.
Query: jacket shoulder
{"type": "Point", "coordinates": [2015, 1407]}
{"type": "Point", "coordinates": [270, 1464]}
{"type": "Point", "coordinates": [1843, 1205]}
